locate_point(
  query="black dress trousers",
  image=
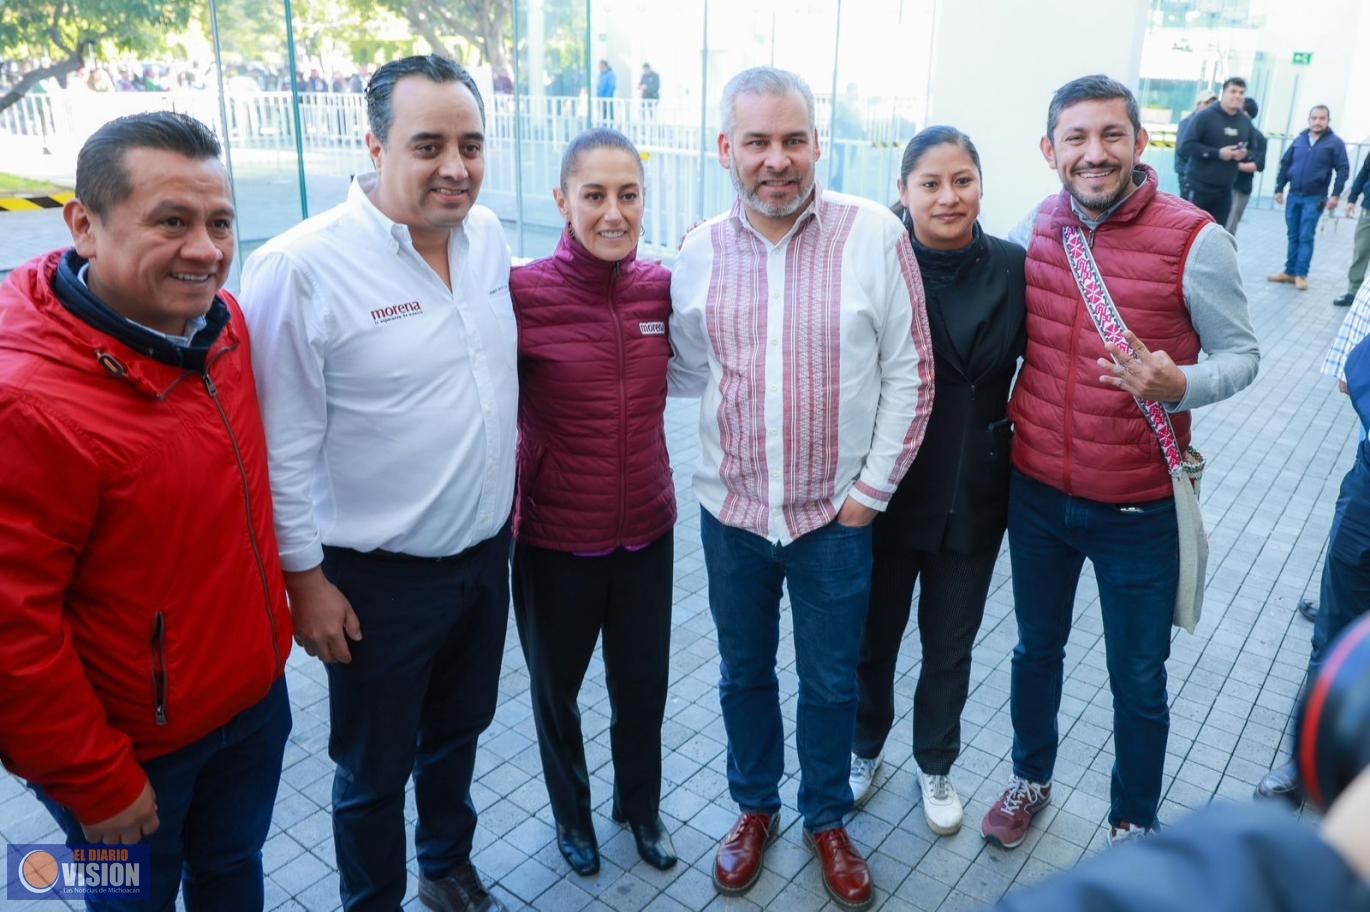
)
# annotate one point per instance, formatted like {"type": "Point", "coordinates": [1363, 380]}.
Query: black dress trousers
{"type": "Point", "coordinates": [562, 603]}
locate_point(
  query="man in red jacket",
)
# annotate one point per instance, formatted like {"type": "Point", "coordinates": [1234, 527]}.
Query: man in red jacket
{"type": "Point", "coordinates": [143, 620]}
{"type": "Point", "coordinates": [1089, 479]}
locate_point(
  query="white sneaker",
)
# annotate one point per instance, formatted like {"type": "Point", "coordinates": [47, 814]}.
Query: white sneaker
{"type": "Point", "coordinates": [1126, 832]}
{"type": "Point", "coordinates": [863, 772]}
{"type": "Point", "coordinates": [941, 804]}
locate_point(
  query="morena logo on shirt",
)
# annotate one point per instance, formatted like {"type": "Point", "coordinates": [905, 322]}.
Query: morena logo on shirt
{"type": "Point", "coordinates": [652, 328]}
{"type": "Point", "coordinates": [396, 312]}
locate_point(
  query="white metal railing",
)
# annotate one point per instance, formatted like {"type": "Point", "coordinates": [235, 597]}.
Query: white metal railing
{"type": "Point", "coordinates": [261, 129]}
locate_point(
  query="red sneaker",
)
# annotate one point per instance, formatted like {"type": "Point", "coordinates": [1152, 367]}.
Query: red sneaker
{"type": "Point", "coordinates": [1008, 819]}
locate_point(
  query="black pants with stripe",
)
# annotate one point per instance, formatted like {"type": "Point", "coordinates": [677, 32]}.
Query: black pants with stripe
{"type": "Point", "coordinates": [950, 608]}
{"type": "Point", "coordinates": [562, 604]}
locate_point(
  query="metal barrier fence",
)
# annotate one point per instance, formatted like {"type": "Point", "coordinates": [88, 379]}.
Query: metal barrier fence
{"type": "Point", "coordinates": [261, 130]}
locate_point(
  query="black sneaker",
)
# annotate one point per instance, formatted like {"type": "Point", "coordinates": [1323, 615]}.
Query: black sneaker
{"type": "Point", "coordinates": [1344, 301]}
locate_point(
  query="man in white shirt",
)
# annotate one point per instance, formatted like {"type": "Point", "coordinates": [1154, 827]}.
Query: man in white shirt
{"type": "Point", "coordinates": [385, 355]}
{"type": "Point", "coordinates": [799, 317]}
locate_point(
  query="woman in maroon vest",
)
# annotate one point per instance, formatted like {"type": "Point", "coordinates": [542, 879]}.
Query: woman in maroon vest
{"type": "Point", "coordinates": [946, 520]}
{"type": "Point", "coordinates": [595, 506]}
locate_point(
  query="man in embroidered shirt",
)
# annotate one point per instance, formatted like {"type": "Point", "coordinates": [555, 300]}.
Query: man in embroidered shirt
{"type": "Point", "coordinates": [385, 360]}
{"type": "Point", "coordinates": [1089, 479]}
{"type": "Point", "coordinates": [799, 316]}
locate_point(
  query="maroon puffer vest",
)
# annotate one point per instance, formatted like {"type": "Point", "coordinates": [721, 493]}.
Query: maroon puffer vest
{"type": "Point", "coordinates": [1072, 432]}
{"type": "Point", "coordinates": [593, 472]}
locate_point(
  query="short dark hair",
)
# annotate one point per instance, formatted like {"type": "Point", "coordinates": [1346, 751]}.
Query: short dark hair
{"type": "Point", "coordinates": [1322, 108]}
{"type": "Point", "coordinates": [1250, 107]}
{"type": "Point", "coordinates": [931, 137]}
{"type": "Point", "coordinates": [380, 91]}
{"type": "Point", "coordinates": [1097, 87]}
{"type": "Point", "coordinates": [1234, 81]}
{"type": "Point", "coordinates": [102, 182]}
{"type": "Point", "coordinates": [596, 138]}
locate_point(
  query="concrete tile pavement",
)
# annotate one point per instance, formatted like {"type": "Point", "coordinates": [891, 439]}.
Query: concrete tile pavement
{"type": "Point", "coordinates": [1276, 455]}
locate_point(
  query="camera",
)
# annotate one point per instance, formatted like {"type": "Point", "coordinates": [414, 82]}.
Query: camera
{"type": "Point", "coordinates": [1332, 742]}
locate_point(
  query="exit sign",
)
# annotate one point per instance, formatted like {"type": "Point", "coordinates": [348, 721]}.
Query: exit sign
{"type": "Point", "coordinates": [1303, 58]}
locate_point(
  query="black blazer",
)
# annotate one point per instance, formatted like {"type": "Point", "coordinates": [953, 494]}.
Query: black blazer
{"type": "Point", "coordinates": [955, 496]}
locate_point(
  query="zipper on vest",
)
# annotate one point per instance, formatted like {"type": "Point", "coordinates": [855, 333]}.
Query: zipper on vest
{"type": "Point", "coordinates": [213, 392]}
{"type": "Point", "coordinates": [1067, 432]}
{"type": "Point", "coordinates": [159, 675]}
{"type": "Point", "coordinates": [622, 412]}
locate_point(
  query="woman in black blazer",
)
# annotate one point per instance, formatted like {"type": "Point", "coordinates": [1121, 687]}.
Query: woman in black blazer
{"type": "Point", "coordinates": [946, 522]}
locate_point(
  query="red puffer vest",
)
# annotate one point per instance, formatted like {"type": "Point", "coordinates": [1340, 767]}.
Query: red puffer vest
{"type": "Point", "coordinates": [1072, 432]}
{"type": "Point", "coordinates": [593, 471]}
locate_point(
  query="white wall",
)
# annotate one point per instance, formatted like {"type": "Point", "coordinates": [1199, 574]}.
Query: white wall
{"type": "Point", "coordinates": [995, 66]}
{"type": "Point", "coordinates": [1336, 32]}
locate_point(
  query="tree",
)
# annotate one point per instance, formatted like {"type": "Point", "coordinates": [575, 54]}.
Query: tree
{"type": "Point", "coordinates": [485, 24]}
{"type": "Point", "coordinates": [68, 31]}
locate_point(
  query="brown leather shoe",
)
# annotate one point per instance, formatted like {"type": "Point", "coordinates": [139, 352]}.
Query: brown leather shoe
{"type": "Point", "coordinates": [846, 876]}
{"type": "Point", "coordinates": [1283, 278]}
{"type": "Point", "coordinates": [738, 864]}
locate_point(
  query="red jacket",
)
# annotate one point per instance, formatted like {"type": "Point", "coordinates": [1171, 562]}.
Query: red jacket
{"type": "Point", "coordinates": [141, 598]}
{"type": "Point", "coordinates": [1071, 432]}
{"type": "Point", "coordinates": [593, 471]}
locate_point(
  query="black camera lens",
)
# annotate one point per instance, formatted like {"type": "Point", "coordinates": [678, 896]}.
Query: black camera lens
{"type": "Point", "coordinates": [1332, 743]}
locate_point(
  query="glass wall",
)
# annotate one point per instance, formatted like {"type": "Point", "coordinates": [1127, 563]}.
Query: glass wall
{"type": "Point", "coordinates": [1292, 56]}
{"type": "Point", "coordinates": [280, 81]}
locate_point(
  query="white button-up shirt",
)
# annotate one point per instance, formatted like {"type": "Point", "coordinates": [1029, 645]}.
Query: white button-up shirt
{"type": "Point", "coordinates": [389, 399]}
{"type": "Point", "coordinates": [813, 359]}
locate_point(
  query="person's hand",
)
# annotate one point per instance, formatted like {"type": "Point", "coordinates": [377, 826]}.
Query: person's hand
{"type": "Point", "coordinates": [1233, 152]}
{"type": "Point", "coordinates": [1346, 828]}
{"type": "Point", "coordinates": [1247, 167]}
{"type": "Point", "coordinates": [1341, 386]}
{"type": "Point", "coordinates": [1279, 199]}
{"type": "Point", "coordinates": [130, 825]}
{"type": "Point", "coordinates": [1350, 210]}
{"type": "Point", "coordinates": [1145, 374]}
{"type": "Point", "coordinates": [855, 515]}
{"type": "Point", "coordinates": [1332, 203]}
{"type": "Point", "coordinates": [324, 619]}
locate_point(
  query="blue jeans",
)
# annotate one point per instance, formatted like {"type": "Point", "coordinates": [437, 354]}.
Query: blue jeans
{"type": "Point", "coordinates": [1345, 591]}
{"type": "Point", "coordinates": [421, 687]}
{"type": "Point", "coordinates": [214, 803]}
{"type": "Point", "coordinates": [1301, 214]}
{"type": "Point", "coordinates": [1136, 556]}
{"type": "Point", "coordinates": [828, 572]}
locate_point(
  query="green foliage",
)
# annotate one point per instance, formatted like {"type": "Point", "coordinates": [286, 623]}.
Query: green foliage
{"type": "Point", "coordinates": [65, 29]}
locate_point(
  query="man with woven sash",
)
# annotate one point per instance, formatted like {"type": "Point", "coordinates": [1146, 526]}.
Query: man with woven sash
{"type": "Point", "coordinates": [1090, 480]}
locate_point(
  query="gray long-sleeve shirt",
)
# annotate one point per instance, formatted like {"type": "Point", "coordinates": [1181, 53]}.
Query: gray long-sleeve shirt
{"type": "Point", "coordinates": [1216, 300]}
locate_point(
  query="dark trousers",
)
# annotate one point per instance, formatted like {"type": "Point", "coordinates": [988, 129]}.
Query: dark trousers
{"type": "Point", "coordinates": [1213, 199]}
{"type": "Point", "coordinates": [1135, 551]}
{"type": "Point", "coordinates": [1345, 591]}
{"type": "Point", "coordinates": [950, 608]}
{"type": "Point", "coordinates": [562, 603]}
{"type": "Point", "coordinates": [421, 687]}
{"type": "Point", "coordinates": [214, 803]}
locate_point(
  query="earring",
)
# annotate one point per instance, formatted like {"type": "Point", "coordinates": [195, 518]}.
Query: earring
{"type": "Point", "coordinates": [571, 231]}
